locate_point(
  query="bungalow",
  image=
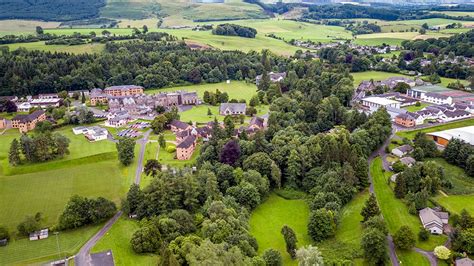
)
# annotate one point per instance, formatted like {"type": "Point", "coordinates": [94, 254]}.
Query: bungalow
{"type": "Point", "coordinates": [454, 115]}
{"type": "Point", "coordinates": [402, 150]}
{"type": "Point", "coordinates": [26, 123]}
{"type": "Point", "coordinates": [79, 130]}
{"type": "Point", "coordinates": [232, 109]}
{"type": "Point", "coordinates": [185, 149]}
{"type": "Point", "coordinates": [409, 119]}
{"type": "Point", "coordinates": [94, 133]}
{"type": "Point", "coordinates": [433, 220]}
{"type": "Point", "coordinates": [177, 126]}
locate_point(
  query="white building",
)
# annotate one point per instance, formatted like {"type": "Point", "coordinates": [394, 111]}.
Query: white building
{"type": "Point", "coordinates": [465, 134]}
{"type": "Point", "coordinates": [374, 103]}
{"type": "Point", "coordinates": [437, 98]}
{"type": "Point", "coordinates": [24, 107]}
{"type": "Point", "coordinates": [94, 133]}
{"type": "Point", "coordinates": [454, 115]}
{"type": "Point", "coordinates": [433, 220]}
{"type": "Point", "coordinates": [402, 150]}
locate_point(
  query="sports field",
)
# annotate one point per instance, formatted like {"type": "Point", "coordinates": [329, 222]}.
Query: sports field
{"type": "Point", "coordinates": [269, 217]}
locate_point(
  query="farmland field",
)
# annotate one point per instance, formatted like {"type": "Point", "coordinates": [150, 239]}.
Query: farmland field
{"type": "Point", "coordinates": [375, 75]}
{"type": "Point", "coordinates": [455, 13]}
{"type": "Point", "coordinates": [118, 238]}
{"type": "Point", "coordinates": [18, 26]}
{"type": "Point", "coordinates": [75, 49]}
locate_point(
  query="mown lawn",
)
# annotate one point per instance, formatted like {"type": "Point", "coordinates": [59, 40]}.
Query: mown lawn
{"type": "Point", "coordinates": [24, 251]}
{"type": "Point", "coordinates": [410, 257]}
{"type": "Point", "coordinates": [414, 108]}
{"type": "Point", "coordinates": [269, 217]}
{"type": "Point", "coordinates": [410, 134]}
{"type": "Point", "coordinates": [394, 211]}
{"type": "Point", "coordinates": [235, 89]}
{"type": "Point", "coordinates": [118, 238]}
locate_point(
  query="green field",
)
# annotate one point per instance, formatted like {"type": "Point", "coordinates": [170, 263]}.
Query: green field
{"type": "Point", "coordinates": [410, 134]}
{"type": "Point", "coordinates": [24, 251]}
{"type": "Point", "coordinates": [117, 239]}
{"type": "Point", "coordinates": [394, 211]}
{"type": "Point", "coordinates": [350, 229]}
{"type": "Point", "coordinates": [236, 89]}
{"type": "Point", "coordinates": [129, 9]}
{"type": "Point", "coordinates": [410, 257]}
{"type": "Point", "coordinates": [455, 203]}
{"type": "Point", "coordinates": [269, 217]}
{"type": "Point", "coordinates": [75, 49]}
{"type": "Point", "coordinates": [375, 75]}
{"type": "Point", "coordinates": [462, 184]}
{"type": "Point", "coordinates": [455, 13]}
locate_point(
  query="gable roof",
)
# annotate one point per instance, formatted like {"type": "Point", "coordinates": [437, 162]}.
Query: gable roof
{"type": "Point", "coordinates": [29, 117]}
{"type": "Point", "coordinates": [257, 121]}
{"type": "Point", "coordinates": [179, 124]}
{"type": "Point", "coordinates": [404, 148]}
{"type": "Point", "coordinates": [233, 107]}
{"type": "Point", "coordinates": [429, 216]}
{"type": "Point", "coordinates": [407, 160]}
{"type": "Point", "coordinates": [187, 142]}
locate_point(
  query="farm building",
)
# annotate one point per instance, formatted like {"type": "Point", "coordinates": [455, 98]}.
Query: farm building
{"type": "Point", "coordinates": [443, 137]}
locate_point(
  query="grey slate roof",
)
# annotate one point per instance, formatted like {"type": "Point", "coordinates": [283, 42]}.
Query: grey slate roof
{"type": "Point", "coordinates": [405, 148]}
{"type": "Point", "coordinates": [187, 142]}
{"type": "Point", "coordinates": [464, 262]}
{"type": "Point", "coordinates": [29, 117]}
{"type": "Point", "coordinates": [179, 124]}
{"type": "Point", "coordinates": [233, 107]}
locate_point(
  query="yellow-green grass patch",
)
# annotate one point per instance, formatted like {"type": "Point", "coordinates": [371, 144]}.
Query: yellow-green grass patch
{"type": "Point", "coordinates": [74, 49]}
{"type": "Point", "coordinates": [456, 203]}
{"type": "Point", "coordinates": [19, 26]}
{"type": "Point", "coordinates": [414, 108]}
{"type": "Point", "coordinates": [118, 238]}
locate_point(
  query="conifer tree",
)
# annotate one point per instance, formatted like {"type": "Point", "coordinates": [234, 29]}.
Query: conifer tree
{"type": "Point", "coordinates": [14, 154]}
{"type": "Point", "coordinates": [371, 208]}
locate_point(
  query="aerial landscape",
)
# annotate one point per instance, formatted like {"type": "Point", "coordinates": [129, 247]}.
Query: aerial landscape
{"type": "Point", "coordinates": [237, 132]}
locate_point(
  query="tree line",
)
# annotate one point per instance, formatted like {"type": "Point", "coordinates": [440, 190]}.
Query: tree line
{"type": "Point", "coordinates": [234, 30]}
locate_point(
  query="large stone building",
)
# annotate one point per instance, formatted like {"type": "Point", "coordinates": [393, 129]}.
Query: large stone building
{"type": "Point", "coordinates": [185, 149]}
{"type": "Point", "coordinates": [123, 90]}
{"type": "Point", "coordinates": [26, 123]}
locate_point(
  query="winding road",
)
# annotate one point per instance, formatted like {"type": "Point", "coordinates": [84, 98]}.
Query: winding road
{"type": "Point", "coordinates": [83, 258]}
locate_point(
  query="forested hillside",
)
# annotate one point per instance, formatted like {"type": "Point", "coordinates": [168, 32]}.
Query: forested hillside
{"type": "Point", "coordinates": [50, 10]}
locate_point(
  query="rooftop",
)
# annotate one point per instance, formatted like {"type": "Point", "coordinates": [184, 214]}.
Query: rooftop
{"type": "Point", "coordinates": [29, 117]}
{"type": "Point", "coordinates": [380, 100]}
{"type": "Point", "coordinates": [464, 133]}
{"type": "Point", "coordinates": [187, 142]}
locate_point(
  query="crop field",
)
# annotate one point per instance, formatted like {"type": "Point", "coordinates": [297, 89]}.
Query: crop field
{"type": "Point", "coordinates": [118, 240]}
{"type": "Point", "coordinates": [75, 49]}
{"type": "Point", "coordinates": [294, 213]}
{"type": "Point", "coordinates": [18, 26]}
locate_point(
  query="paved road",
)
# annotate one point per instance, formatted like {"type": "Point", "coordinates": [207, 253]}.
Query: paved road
{"type": "Point", "coordinates": [429, 255]}
{"type": "Point", "coordinates": [143, 141]}
{"type": "Point", "coordinates": [83, 257]}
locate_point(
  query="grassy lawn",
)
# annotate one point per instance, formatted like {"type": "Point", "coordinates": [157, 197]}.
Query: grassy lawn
{"type": "Point", "coordinates": [75, 49]}
{"type": "Point", "coordinates": [267, 220]}
{"type": "Point", "coordinates": [414, 108]}
{"type": "Point", "coordinates": [118, 240]}
{"type": "Point", "coordinates": [24, 251]}
{"type": "Point", "coordinates": [169, 160]}
{"type": "Point", "coordinates": [394, 211]}
{"type": "Point", "coordinates": [410, 134]}
{"type": "Point", "coordinates": [455, 203]}
{"type": "Point", "coordinates": [410, 257]}
{"type": "Point", "coordinates": [462, 183]}
{"type": "Point", "coordinates": [235, 89]}
{"type": "Point", "coordinates": [349, 229]}
{"type": "Point", "coordinates": [375, 75]}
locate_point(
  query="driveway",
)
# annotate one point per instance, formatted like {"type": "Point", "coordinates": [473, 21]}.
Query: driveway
{"type": "Point", "coordinates": [142, 142]}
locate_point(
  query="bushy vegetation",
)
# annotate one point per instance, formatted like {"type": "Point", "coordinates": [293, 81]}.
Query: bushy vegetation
{"type": "Point", "coordinates": [234, 30]}
{"type": "Point", "coordinates": [459, 44]}
{"type": "Point", "coordinates": [81, 211]}
{"type": "Point", "coordinates": [460, 153]}
{"type": "Point", "coordinates": [50, 10]}
{"type": "Point", "coordinates": [40, 147]}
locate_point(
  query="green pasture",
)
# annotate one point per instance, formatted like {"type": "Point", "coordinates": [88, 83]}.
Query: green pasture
{"type": "Point", "coordinates": [136, 9]}
{"type": "Point", "coordinates": [410, 134]}
{"type": "Point", "coordinates": [394, 211]}
{"type": "Point", "coordinates": [269, 217]}
{"type": "Point", "coordinates": [455, 203]}
{"type": "Point", "coordinates": [26, 252]}
{"type": "Point", "coordinates": [118, 238]}
{"type": "Point", "coordinates": [20, 26]}
{"type": "Point", "coordinates": [455, 13]}
{"type": "Point", "coordinates": [375, 75]}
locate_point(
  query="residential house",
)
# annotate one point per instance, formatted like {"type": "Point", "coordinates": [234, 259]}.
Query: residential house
{"type": "Point", "coordinates": [96, 133]}
{"type": "Point", "coordinates": [26, 123]}
{"type": "Point", "coordinates": [79, 130]}
{"type": "Point", "coordinates": [433, 221]}
{"type": "Point", "coordinates": [185, 149]}
{"type": "Point", "coordinates": [274, 77]}
{"type": "Point", "coordinates": [409, 119]}
{"type": "Point", "coordinates": [177, 126]}
{"type": "Point", "coordinates": [402, 150]}
{"type": "Point", "coordinates": [408, 161]}
{"type": "Point", "coordinates": [232, 109]}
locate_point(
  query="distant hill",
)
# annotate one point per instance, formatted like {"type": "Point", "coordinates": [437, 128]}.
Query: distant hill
{"type": "Point", "coordinates": [50, 10]}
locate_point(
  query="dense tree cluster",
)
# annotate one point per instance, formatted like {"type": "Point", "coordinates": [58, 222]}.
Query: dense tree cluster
{"type": "Point", "coordinates": [373, 242]}
{"type": "Point", "coordinates": [150, 64]}
{"type": "Point", "coordinates": [40, 147]}
{"type": "Point", "coordinates": [460, 153]}
{"type": "Point", "coordinates": [126, 150]}
{"type": "Point", "coordinates": [50, 10]}
{"type": "Point", "coordinates": [363, 28]}
{"type": "Point", "coordinates": [463, 235]}
{"type": "Point", "coordinates": [80, 211]}
{"type": "Point", "coordinates": [459, 44]}
{"type": "Point", "coordinates": [235, 30]}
